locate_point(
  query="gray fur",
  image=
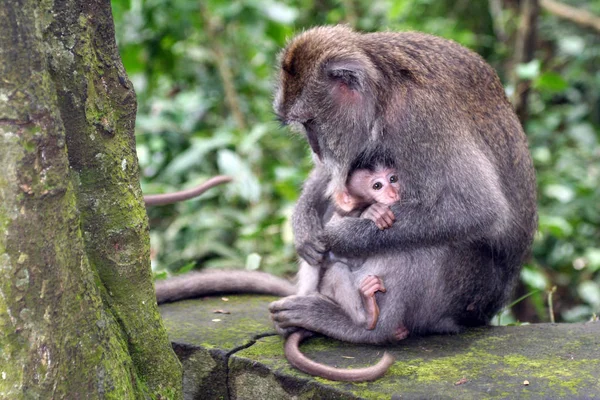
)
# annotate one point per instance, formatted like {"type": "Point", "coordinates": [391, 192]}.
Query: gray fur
{"type": "Point", "coordinates": [467, 215]}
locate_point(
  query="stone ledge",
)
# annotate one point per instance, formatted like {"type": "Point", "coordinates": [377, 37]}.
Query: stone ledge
{"type": "Point", "coordinates": [238, 356]}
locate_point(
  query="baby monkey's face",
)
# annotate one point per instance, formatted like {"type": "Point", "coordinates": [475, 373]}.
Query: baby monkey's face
{"type": "Point", "coordinates": [366, 187]}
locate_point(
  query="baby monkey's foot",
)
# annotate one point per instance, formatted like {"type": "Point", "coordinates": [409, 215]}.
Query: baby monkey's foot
{"type": "Point", "coordinates": [368, 287]}
{"type": "Point", "coordinates": [401, 333]}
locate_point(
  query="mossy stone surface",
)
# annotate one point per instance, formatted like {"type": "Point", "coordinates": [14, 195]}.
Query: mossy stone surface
{"type": "Point", "coordinates": [223, 323]}
{"type": "Point", "coordinates": [542, 361]}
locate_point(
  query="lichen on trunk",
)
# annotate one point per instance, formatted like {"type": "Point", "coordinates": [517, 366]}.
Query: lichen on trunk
{"type": "Point", "coordinates": [77, 306]}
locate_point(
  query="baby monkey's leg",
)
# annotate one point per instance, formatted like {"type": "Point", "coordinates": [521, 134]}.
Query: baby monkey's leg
{"type": "Point", "coordinates": [368, 287]}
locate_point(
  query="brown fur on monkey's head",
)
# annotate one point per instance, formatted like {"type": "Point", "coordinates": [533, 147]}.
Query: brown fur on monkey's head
{"type": "Point", "coordinates": [325, 80]}
{"type": "Point", "coordinates": [351, 92]}
{"type": "Point", "coordinates": [331, 84]}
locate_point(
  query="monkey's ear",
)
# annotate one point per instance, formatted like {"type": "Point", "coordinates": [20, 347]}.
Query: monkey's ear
{"type": "Point", "coordinates": [344, 201]}
{"type": "Point", "coordinates": [350, 73]}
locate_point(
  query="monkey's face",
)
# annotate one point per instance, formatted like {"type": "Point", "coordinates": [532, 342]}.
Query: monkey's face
{"type": "Point", "coordinates": [379, 186]}
{"type": "Point", "coordinates": [326, 91]}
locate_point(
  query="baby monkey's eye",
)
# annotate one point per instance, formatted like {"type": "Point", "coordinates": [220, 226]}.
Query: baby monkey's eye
{"type": "Point", "coordinates": [393, 179]}
{"type": "Point", "coordinates": [377, 185]}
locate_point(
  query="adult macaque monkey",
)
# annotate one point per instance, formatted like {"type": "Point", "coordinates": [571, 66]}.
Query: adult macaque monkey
{"type": "Point", "coordinates": [467, 213]}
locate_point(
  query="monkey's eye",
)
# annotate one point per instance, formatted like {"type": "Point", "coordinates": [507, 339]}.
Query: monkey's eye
{"type": "Point", "coordinates": [377, 186]}
{"type": "Point", "coordinates": [393, 179]}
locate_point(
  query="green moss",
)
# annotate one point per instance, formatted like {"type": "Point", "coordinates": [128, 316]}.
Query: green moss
{"type": "Point", "coordinates": [558, 372]}
{"type": "Point", "coordinates": [268, 347]}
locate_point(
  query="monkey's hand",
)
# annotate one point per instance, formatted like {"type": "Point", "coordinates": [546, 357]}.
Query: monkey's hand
{"type": "Point", "coordinates": [380, 214]}
{"type": "Point", "coordinates": [313, 250]}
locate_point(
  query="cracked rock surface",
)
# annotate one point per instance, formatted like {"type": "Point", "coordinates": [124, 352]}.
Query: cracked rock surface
{"type": "Point", "coordinates": [229, 350]}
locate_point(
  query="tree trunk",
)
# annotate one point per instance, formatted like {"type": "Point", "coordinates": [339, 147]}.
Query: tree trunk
{"type": "Point", "coordinates": [78, 314]}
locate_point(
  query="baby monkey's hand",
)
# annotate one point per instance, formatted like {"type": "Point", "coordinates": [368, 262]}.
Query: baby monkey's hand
{"type": "Point", "coordinates": [380, 214]}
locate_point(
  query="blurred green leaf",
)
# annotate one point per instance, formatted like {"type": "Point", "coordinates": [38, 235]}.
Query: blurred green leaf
{"type": "Point", "coordinates": [245, 184]}
{"type": "Point", "coordinates": [584, 135]}
{"type": "Point", "coordinates": [534, 278]}
{"type": "Point", "coordinates": [279, 12]}
{"type": "Point", "coordinates": [551, 82]}
{"type": "Point", "coordinates": [253, 261]}
{"type": "Point", "coordinates": [187, 267]}
{"type": "Point", "coordinates": [592, 255]}
{"type": "Point", "coordinates": [571, 45]}
{"type": "Point", "coordinates": [529, 71]}
{"type": "Point", "coordinates": [562, 193]}
{"type": "Point", "coordinates": [577, 313]}
{"type": "Point", "coordinates": [557, 226]}
{"type": "Point", "coordinates": [590, 292]}
{"type": "Point", "coordinates": [196, 153]}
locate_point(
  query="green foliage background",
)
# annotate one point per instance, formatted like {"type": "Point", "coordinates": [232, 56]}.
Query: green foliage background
{"type": "Point", "coordinates": [181, 56]}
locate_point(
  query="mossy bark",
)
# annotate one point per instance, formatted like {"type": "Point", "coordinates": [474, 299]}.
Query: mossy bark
{"type": "Point", "coordinates": [78, 314]}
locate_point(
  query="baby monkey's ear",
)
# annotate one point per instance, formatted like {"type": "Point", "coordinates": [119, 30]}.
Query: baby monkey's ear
{"type": "Point", "coordinates": [344, 201]}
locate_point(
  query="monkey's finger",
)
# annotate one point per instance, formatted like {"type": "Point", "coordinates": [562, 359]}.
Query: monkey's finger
{"type": "Point", "coordinates": [311, 256]}
{"type": "Point", "coordinates": [384, 224]}
{"type": "Point", "coordinates": [376, 287]}
{"type": "Point", "coordinates": [382, 221]}
{"type": "Point", "coordinates": [278, 305]}
{"type": "Point", "coordinates": [319, 246]}
{"type": "Point", "coordinates": [388, 215]}
{"type": "Point", "coordinates": [369, 290]}
{"type": "Point", "coordinates": [368, 280]}
{"type": "Point", "coordinates": [287, 320]}
{"type": "Point", "coordinates": [381, 287]}
{"type": "Point", "coordinates": [388, 218]}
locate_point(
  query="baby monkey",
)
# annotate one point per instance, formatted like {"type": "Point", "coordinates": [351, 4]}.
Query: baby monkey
{"type": "Point", "coordinates": [368, 194]}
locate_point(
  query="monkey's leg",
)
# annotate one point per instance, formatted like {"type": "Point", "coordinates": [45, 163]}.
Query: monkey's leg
{"type": "Point", "coordinates": [308, 278]}
{"type": "Point", "coordinates": [339, 284]}
{"type": "Point", "coordinates": [368, 287]}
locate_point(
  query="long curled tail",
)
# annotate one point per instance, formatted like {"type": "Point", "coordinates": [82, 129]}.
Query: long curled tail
{"type": "Point", "coordinates": [205, 283]}
{"type": "Point", "coordinates": [303, 363]}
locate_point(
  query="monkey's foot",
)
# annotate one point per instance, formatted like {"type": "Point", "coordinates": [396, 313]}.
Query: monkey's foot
{"type": "Point", "coordinates": [401, 333]}
{"type": "Point", "coordinates": [368, 287]}
{"type": "Point", "coordinates": [297, 312]}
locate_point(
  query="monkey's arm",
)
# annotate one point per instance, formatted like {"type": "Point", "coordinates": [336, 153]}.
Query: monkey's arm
{"type": "Point", "coordinates": [168, 198]}
{"type": "Point", "coordinates": [462, 212]}
{"type": "Point", "coordinates": [307, 220]}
